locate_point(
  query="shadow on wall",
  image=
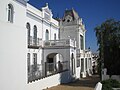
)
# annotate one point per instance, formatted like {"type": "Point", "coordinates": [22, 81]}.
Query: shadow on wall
{"type": "Point", "coordinates": [65, 77]}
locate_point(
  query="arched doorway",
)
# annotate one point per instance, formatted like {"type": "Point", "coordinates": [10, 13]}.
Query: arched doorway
{"type": "Point", "coordinates": [55, 63]}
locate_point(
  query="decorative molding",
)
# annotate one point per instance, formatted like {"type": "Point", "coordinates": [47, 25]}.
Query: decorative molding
{"type": "Point", "coordinates": [23, 2]}
{"type": "Point", "coordinates": [40, 19]}
{"type": "Point", "coordinates": [35, 16]}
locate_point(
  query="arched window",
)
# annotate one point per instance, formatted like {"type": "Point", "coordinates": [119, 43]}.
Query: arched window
{"type": "Point", "coordinates": [35, 35]}
{"type": "Point", "coordinates": [10, 13]}
{"type": "Point", "coordinates": [28, 32]}
{"type": "Point", "coordinates": [47, 35]}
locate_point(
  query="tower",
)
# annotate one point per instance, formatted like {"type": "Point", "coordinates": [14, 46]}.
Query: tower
{"type": "Point", "coordinates": [72, 27]}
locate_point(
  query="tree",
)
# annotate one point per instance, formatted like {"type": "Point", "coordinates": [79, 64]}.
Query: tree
{"type": "Point", "coordinates": [108, 39]}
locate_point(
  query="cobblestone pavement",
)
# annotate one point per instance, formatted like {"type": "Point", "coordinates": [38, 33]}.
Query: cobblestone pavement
{"type": "Point", "coordinates": [82, 84]}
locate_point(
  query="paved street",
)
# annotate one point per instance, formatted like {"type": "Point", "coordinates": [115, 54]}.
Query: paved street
{"type": "Point", "coordinates": [83, 84]}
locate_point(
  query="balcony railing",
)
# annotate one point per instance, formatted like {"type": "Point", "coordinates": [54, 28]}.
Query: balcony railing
{"type": "Point", "coordinates": [51, 69]}
{"type": "Point", "coordinates": [58, 43]}
{"type": "Point", "coordinates": [82, 53]}
{"type": "Point", "coordinates": [58, 67]}
{"type": "Point", "coordinates": [34, 43]}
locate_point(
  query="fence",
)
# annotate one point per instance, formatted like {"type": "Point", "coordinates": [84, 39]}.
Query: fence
{"type": "Point", "coordinates": [47, 68]}
{"type": "Point", "coordinates": [36, 42]}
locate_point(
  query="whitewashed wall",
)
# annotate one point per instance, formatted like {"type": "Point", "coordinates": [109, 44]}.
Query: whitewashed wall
{"type": "Point", "coordinates": [54, 30]}
{"type": "Point", "coordinates": [32, 21]}
{"type": "Point", "coordinates": [3, 9]}
{"type": "Point", "coordinates": [38, 23]}
{"type": "Point", "coordinates": [67, 32]}
{"type": "Point", "coordinates": [78, 72]}
{"type": "Point", "coordinates": [13, 74]}
{"type": "Point", "coordinates": [13, 47]}
{"type": "Point", "coordinates": [72, 32]}
{"type": "Point", "coordinates": [51, 81]}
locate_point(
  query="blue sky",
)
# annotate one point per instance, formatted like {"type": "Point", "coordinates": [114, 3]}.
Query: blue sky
{"type": "Point", "coordinates": [93, 13]}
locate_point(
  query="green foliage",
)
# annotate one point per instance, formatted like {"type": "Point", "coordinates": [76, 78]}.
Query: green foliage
{"type": "Point", "coordinates": [109, 84]}
{"type": "Point", "coordinates": [99, 67]}
{"type": "Point", "coordinates": [106, 87]}
{"type": "Point", "coordinates": [108, 39]}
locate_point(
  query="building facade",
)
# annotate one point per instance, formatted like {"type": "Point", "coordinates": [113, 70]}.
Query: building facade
{"type": "Point", "coordinates": [38, 51]}
{"type": "Point", "coordinates": [72, 27]}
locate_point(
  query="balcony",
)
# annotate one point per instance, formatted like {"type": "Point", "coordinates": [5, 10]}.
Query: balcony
{"type": "Point", "coordinates": [34, 43]}
{"type": "Point", "coordinates": [59, 43]}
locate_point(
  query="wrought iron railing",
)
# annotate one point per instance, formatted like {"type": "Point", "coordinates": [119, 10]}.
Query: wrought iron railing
{"type": "Point", "coordinates": [48, 68]}
{"type": "Point", "coordinates": [53, 68]}
{"type": "Point", "coordinates": [34, 42]}
{"type": "Point", "coordinates": [35, 74]}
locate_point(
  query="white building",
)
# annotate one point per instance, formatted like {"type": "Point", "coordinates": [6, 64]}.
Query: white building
{"type": "Point", "coordinates": [71, 26]}
{"type": "Point", "coordinates": [38, 51]}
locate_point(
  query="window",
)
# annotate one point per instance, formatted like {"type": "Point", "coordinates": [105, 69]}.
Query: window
{"type": "Point", "coordinates": [47, 35]}
{"type": "Point", "coordinates": [55, 36]}
{"type": "Point", "coordinates": [10, 13]}
{"type": "Point", "coordinates": [86, 63]}
{"type": "Point", "coordinates": [34, 62]}
{"type": "Point", "coordinates": [28, 32]}
{"type": "Point", "coordinates": [28, 66]}
{"type": "Point", "coordinates": [35, 35]}
{"type": "Point", "coordinates": [81, 42]}
{"type": "Point", "coordinates": [78, 62]}
{"type": "Point", "coordinates": [73, 63]}
{"type": "Point", "coordinates": [82, 65]}
{"type": "Point", "coordinates": [28, 62]}
{"type": "Point", "coordinates": [68, 20]}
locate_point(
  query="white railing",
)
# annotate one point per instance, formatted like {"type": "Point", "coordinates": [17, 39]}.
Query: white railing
{"type": "Point", "coordinates": [81, 53]}
{"type": "Point", "coordinates": [52, 43]}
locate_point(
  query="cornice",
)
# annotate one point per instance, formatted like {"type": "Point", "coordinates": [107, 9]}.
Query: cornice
{"type": "Point", "coordinates": [23, 2]}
